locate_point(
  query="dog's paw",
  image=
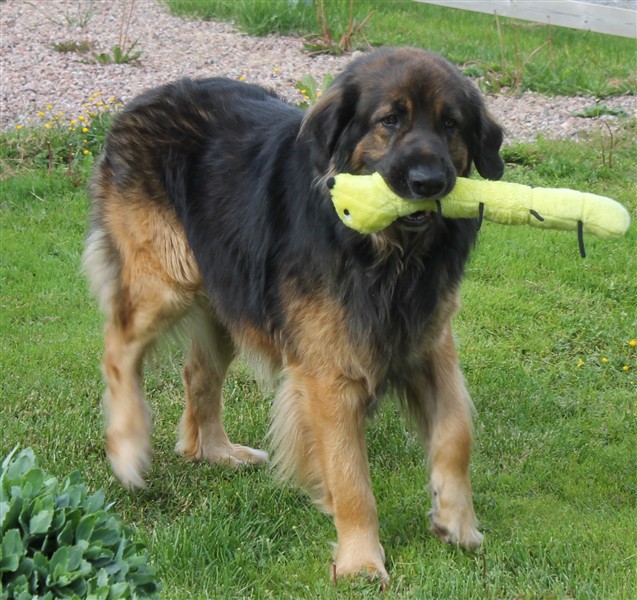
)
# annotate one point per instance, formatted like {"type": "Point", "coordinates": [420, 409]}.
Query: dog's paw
{"type": "Point", "coordinates": [238, 455]}
{"type": "Point", "coordinates": [130, 459]}
{"type": "Point", "coordinates": [356, 560]}
{"type": "Point", "coordinates": [460, 531]}
{"type": "Point", "coordinates": [233, 455]}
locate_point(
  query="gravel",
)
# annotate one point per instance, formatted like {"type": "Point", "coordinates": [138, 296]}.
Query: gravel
{"type": "Point", "coordinates": [34, 75]}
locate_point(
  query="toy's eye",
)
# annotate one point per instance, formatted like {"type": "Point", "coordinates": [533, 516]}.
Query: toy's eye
{"type": "Point", "coordinates": [390, 121]}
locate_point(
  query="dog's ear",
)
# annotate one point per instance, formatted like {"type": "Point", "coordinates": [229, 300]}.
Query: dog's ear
{"type": "Point", "coordinates": [326, 123]}
{"type": "Point", "coordinates": [485, 145]}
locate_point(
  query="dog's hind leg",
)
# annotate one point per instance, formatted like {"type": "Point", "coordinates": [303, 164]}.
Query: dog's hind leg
{"type": "Point", "coordinates": [202, 434]}
{"type": "Point", "coordinates": [140, 270]}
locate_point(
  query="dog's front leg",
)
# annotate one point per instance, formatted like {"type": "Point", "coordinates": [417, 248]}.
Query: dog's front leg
{"type": "Point", "coordinates": [442, 406]}
{"type": "Point", "coordinates": [336, 411]}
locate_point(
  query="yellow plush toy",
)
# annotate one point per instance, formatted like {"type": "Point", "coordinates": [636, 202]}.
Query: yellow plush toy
{"type": "Point", "coordinates": [365, 203]}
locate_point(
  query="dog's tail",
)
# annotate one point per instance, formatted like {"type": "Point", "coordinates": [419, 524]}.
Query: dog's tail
{"type": "Point", "coordinates": [101, 261]}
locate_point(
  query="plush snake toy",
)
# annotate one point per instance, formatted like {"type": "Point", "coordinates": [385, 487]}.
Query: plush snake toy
{"type": "Point", "coordinates": [365, 203]}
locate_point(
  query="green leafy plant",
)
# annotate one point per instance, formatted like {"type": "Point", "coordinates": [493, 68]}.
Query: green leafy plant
{"type": "Point", "coordinates": [311, 89]}
{"type": "Point", "coordinates": [60, 541]}
{"type": "Point", "coordinates": [118, 55]}
{"type": "Point", "coordinates": [600, 110]}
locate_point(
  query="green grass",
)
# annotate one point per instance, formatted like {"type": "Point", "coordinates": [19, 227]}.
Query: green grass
{"type": "Point", "coordinates": [554, 466]}
{"type": "Point", "coordinates": [517, 54]}
{"type": "Point", "coordinates": [543, 340]}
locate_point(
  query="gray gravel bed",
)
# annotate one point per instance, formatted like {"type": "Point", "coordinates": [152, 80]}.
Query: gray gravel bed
{"type": "Point", "coordinates": [34, 75]}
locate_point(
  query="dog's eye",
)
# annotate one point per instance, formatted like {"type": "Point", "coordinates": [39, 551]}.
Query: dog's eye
{"type": "Point", "coordinates": [390, 121]}
{"type": "Point", "coordinates": [450, 124]}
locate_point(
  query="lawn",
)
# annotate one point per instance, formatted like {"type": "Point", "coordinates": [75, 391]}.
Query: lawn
{"type": "Point", "coordinates": [544, 340]}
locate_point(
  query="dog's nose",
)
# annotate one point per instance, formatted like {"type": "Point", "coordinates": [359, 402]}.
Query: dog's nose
{"type": "Point", "coordinates": [426, 182]}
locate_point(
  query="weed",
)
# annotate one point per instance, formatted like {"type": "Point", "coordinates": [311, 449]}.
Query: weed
{"type": "Point", "coordinates": [311, 89]}
{"type": "Point", "coordinates": [79, 15]}
{"type": "Point", "coordinates": [123, 52]}
{"type": "Point", "coordinates": [326, 42]}
{"type": "Point", "coordinates": [118, 55]}
{"type": "Point", "coordinates": [72, 47]}
{"type": "Point", "coordinates": [600, 110]}
{"type": "Point", "coordinates": [60, 141]}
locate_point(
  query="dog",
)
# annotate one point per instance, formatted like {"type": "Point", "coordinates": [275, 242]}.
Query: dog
{"type": "Point", "coordinates": [210, 211]}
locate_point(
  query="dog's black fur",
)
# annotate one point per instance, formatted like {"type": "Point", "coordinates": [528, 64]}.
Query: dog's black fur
{"type": "Point", "coordinates": [211, 202]}
{"type": "Point", "coordinates": [244, 172]}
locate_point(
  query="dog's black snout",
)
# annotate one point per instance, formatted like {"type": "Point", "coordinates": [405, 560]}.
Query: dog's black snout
{"type": "Point", "coordinates": [427, 182]}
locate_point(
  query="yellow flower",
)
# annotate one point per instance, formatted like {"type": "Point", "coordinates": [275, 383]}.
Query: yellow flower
{"type": "Point", "coordinates": [73, 122]}
{"type": "Point", "coordinates": [625, 368]}
{"type": "Point", "coordinates": [604, 360]}
{"type": "Point", "coordinates": [580, 362]}
{"type": "Point", "coordinates": [84, 129]}
{"type": "Point", "coordinates": [632, 343]}
{"type": "Point", "coordinates": [276, 69]}
{"type": "Point", "coordinates": [81, 118]}
{"type": "Point", "coordinates": [49, 106]}
{"type": "Point", "coordinates": [40, 113]}
{"type": "Point", "coordinates": [242, 78]}
{"type": "Point", "coordinates": [85, 152]}
{"type": "Point", "coordinates": [18, 127]}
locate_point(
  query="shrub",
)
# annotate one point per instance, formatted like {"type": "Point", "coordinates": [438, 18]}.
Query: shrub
{"type": "Point", "coordinates": [60, 541]}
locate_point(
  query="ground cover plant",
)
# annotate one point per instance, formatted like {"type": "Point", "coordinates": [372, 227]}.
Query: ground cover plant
{"type": "Point", "coordinates": [59, 541]}
{"type": "Point", "coordinates": [546, 341]}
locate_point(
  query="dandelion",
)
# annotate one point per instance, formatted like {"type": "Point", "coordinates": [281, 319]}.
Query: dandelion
{"type": "Point", "coordinates": [84, 129]}
{"type": "Point", "coordinates": [632, 343]}
{"type": "Point", "coordinates": [49, 106]}
{"type": "Point", "coordinates": [242, 78]}
{"type": "Point", "coordinates": [81, 118]}
{"type": "Point", "coordinates": [604, 360]}
{"type": "Point", "coordinates": [40, 113]}
{"type": "Point", "coordinates": [625, 368]}
{"type": "Point", "coordinates": [73, 121]}
{"type": "Point", "coordinates": [580, 362]}
{"type": "Point", "coordinates": [86, 152]}
{"type": "Point", "coordinates": [18, 127]}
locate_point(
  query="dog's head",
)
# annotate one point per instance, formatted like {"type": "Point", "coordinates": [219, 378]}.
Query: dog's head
{"type": "Point", "coordinates": [411, 116]}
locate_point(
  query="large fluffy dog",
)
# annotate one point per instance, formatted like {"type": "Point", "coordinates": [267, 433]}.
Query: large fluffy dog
{"type": "Point", "coordinates": [210, 210]}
